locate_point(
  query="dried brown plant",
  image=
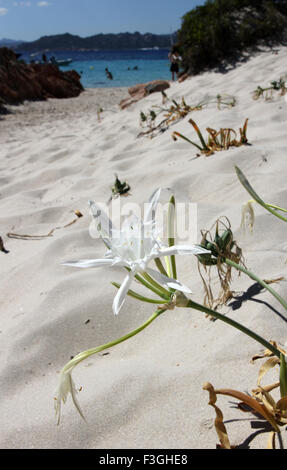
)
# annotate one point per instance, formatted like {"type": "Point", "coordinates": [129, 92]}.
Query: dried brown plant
{"type": "Point", "coordinates": [259, 402]}
{"type": "Point", "coordinates": [217, 140]}
{"type": "Point", "coordinates": [219, 240]}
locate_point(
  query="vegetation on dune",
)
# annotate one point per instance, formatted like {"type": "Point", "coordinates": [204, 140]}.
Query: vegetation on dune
{"type": "Point", "coordinates": [267, 92]}
{"type": "Point", "coordinates": [217, 140]}
{"type": "Point", "coordinates": [218, 32]}
{"type": "Point", "coordinates": [177, 111]}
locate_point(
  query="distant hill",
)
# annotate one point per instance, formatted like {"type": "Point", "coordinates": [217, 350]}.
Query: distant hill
{"type": "Point", "coordinates": [9, 42]}
{"type": "Point", "coordinates": [69, 42]}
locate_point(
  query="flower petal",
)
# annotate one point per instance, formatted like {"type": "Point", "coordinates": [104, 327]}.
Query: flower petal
{"type": "Point", "coordinates": [89, 263]}
{"type": "Point", "coordinates": [183, 250]}
{"type": "Point", "coordinates": [167, 281]}
{"type": "Point", "coordinates": [103, 223]}
{"type": "Point", "coordinates": [149, 215]}
{"type": "Point", "coordinates": [66, 386]}
{"type": "Point", "coordinates": [178, 250]}
{"type": "Point", "coordinates": [121, 294]}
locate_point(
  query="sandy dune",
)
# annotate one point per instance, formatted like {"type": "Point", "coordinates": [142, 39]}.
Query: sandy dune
{"type": "Point", "coordinates": [147, 392]}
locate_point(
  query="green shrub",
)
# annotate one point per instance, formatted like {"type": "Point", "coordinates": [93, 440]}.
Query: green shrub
{"type": "Point", "coordinates": [219, 31]}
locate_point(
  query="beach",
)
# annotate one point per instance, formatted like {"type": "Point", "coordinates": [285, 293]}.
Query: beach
{"type": "Point", "coordinates": [34, 113]}
{"type": "Point", "coordinates": [55, 156]}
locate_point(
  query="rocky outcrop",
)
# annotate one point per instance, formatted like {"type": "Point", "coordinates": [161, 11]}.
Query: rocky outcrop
{"type": "Point", "coordinates": [141, 90]}
{"type": "Point", "coordinates": [20, 81]}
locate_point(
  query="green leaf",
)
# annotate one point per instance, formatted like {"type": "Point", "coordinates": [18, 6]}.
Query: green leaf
{"type": "Point", "coordinates": [283, 376]}
{"type": "Point", "coordinates": [244, 181]}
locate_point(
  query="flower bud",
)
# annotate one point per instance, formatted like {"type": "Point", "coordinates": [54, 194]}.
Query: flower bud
{"type": "Point", "coordinates": [180, 299]}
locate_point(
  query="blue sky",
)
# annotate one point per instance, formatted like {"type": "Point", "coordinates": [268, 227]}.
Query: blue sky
{"type": "Point", "coordinates": [31, 19]}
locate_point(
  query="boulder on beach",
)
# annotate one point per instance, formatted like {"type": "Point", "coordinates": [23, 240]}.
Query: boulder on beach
{"type": "Point", "coordinates": [20, 81]}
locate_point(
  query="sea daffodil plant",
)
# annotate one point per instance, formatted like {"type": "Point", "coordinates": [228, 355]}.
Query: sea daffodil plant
{"type": "Point", "coordinates": [133, 248]}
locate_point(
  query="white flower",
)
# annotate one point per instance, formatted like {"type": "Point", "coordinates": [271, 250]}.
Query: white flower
{"type": "Point", "coordinates": [248, 217]}
{"type": "Point", "coordinates": [66, 386]}
{"type": "Point", "coordinates": [134, 247]}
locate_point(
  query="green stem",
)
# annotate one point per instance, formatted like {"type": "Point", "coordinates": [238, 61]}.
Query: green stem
{"type": "Point", "coordinates": [168, 265]}
{"type": "Point", "coordinates": [140, 297]}
{"type": "Point", "coordinates": [188, 140]}
{"type": "Point", "coordinates": [89, 352]}
{"type": "Point", "coordinates": [283, 376]}
{"type": "Point", "coordinates": [276, 207]}
{"type": "Point", "coordinates": [160, 266]}
{"type": "Point", "coordinates": [170, 233]}
{"type": "Point", "coordinates": [235, 324]}
{"type": "Point", "coordinates": [268, 208]}
{"type": "Point", "coordinates": [152, 288]}
{"type": "Point", "coordinates": [257, 279]}
{"type": "Point", "coordinates": [157, 286]}
{"type": "Point", "coordinates": [151, 284]}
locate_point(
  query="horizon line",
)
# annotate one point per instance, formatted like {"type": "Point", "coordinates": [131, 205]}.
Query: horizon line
{"type": "Point", "coordinates": [86, 37]}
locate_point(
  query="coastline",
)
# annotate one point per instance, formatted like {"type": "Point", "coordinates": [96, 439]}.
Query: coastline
{"type": "Point", "coordinates": [55, 156]}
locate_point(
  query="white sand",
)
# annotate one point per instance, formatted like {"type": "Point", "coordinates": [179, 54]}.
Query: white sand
{"type": "Point", "coordinates": [147, 393]}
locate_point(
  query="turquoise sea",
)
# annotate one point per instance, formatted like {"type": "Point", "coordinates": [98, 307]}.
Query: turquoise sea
{"type": "Point", "coordinates": [150, 64]}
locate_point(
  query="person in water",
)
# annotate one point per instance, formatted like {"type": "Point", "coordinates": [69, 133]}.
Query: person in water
{"type": "Point", "coordinates": [175, 59]}
{"type": "Point", "coordinates": [108, 74]}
